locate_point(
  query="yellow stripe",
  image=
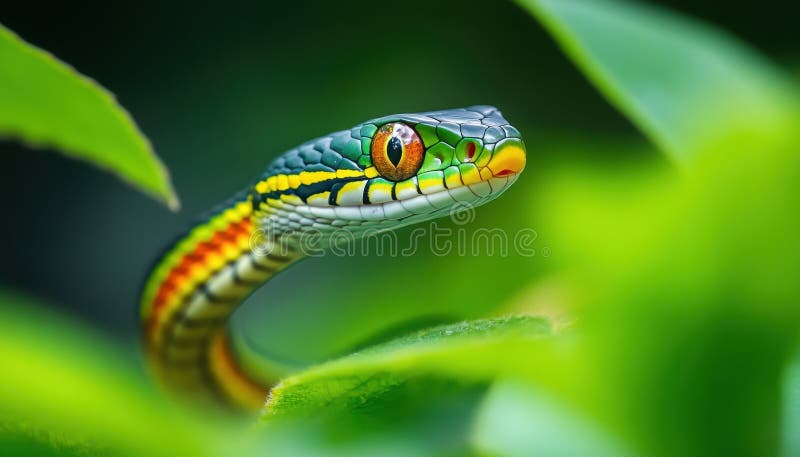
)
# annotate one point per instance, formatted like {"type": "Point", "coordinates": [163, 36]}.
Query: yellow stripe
{"type": "Point", "coordinates": [432, 181]}
{"type": "Point", "coordinates": [320, 199]}
{"type": "Point", "coordinates": [292, 199]}
{"type": "Point", "coordinates": [306, 178]}
{"type": "Point", "coordinates": [371, 172]}
{"type": "Point", "coordinates": [349, 173]}
{"type": "Point", "coordinates": [380, 191]}
{"type": "Point", "coordinates": [406, 189]}
{"type": "Point", "coordinates": [351, 193]}
{"type": "Point", "coordinates": [469, 173]}
{"type": "Point", "coordinates": [197, 235]}
{"type": "Point", "coordinates": [452, 179]}
{"type": "Point", "coordinates": [282, 182]}
{"type": "Point", "coordinates": [263, 187]}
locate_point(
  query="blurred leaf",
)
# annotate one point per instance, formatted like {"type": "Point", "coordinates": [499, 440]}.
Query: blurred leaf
{"type": "Point", "coordinates": [61, 380]}
{"type": "Point", "coordinates": [469, 351]}
{"type": "Point", "coordinates": [685, 284]}
{"type": "Point", "coordinates": [687, 85]}
{"type": "Point", "coordinates": [518, 419]}
{"type": "Point", "coordinates": [791, 408]}
{"type": "Point", "coordinates": [686, 289]}
{"type": "Point", "coordinates": [425, 417]}
{"type": "Point", "coordinates": [20, 438]}
{"type": "Point", "coordinates": [46, 103]}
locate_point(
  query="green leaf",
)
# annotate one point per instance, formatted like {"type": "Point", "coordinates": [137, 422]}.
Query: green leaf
{"type": "Point", "coordinates": [64, 386]}
{"type": "Point", "coordinates": [468, 352]}
{"type": "Point", "coordinates": [46, 103]}
{"type": "Point", "coordinates": [688, 86]}
{"type": "Point", "coordinates": [519, 419]}
{"type": "Point", "coordinates": [686, 287]}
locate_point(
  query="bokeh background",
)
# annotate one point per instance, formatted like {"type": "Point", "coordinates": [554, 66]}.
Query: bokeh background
{"type": "Point", "coordinates": [220, 89]}
{"type": "Point", "coordinates": [674, 256]}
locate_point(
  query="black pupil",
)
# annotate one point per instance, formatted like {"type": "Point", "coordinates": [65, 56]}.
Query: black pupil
{"type": "Point", "coordinates": [394, 150]}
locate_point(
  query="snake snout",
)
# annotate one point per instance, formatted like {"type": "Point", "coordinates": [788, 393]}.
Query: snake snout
{"type": "Point", "coordinates": [508, 158]}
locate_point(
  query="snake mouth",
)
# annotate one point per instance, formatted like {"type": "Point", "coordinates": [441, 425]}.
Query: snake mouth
{"type": "Point", "coordinates": [403, 212]}
{"type": "Point", "coordinates": [476, 194]}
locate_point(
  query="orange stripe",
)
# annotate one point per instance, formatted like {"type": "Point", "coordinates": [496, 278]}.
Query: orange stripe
{"type": "Point", "coordinates": [231, 237]}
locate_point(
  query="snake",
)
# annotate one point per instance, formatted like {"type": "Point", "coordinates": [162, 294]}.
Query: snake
{"type": "Point", "coordinates": [379, 175]}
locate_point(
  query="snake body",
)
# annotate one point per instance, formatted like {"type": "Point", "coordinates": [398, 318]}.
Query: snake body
{"type": "Point", "coordinates": [379, 175]}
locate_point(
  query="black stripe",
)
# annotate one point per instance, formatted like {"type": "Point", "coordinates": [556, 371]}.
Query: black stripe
{"type": "Point", "coordinates": [183, 342]}
{"type": "Point", "coordinates": [258, 266]}
{"type": "Point", "coordinates": [282, 258]}
{"type": "Point", "coordinates": [304, 191]}
{"type": "Point", "coordinates": [241, 281]}
{"type": "Point", "coordinates": [185, 363]}
{"type": "Point", "coordinates": [184, 352]}
{"type": "Point", "coordinates": [178, 378]}
{"type": "Point", "coordinates": [335, 193]}
{"type": "Point", "coordinates": [213, 298]}
{"type": "Point", "coordinates": [179, 318]}
{"type": "Point", "coordinates": [193, 323]}
{"type": "Point", "coordinates": [365, 198]}
{"type": "Point", "coordinates": [171, 339]}
{"type": "Point", "coordinates": [202, 366]}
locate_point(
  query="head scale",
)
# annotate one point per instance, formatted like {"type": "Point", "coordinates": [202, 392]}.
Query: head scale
{"type": "Point", "coordinates": [391, 171]}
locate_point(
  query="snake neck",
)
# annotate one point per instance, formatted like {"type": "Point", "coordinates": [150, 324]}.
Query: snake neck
{"type": "Point", "coordinates": [197, 285]}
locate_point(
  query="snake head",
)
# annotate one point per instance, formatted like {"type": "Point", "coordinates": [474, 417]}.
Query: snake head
{"type": "Point", "coordinates": [392, 171]}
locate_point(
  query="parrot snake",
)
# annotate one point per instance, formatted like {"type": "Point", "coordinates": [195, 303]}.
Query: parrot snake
{"type": "Point", "coordinates": [382, 174]}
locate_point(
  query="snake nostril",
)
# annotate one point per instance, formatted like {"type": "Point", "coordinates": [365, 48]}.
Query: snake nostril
{"type": "Point", "coordinates": [470, 151]}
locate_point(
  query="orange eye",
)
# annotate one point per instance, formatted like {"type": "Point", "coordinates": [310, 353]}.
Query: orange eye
{"type": "Point", "coordinates": [397, 151]}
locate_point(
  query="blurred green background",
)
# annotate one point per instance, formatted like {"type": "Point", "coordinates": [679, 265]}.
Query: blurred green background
{"type": "Point", "coordinates": [682, 277]}
{"type": "Point", "coordinates": [220, 89]}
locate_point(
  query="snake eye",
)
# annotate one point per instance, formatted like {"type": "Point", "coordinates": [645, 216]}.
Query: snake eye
{"type": "Point", "coordinates": [397, 151]}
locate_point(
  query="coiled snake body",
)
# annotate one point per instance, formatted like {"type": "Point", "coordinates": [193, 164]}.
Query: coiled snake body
{"type": "Point", "coordinates": [379, 175]}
